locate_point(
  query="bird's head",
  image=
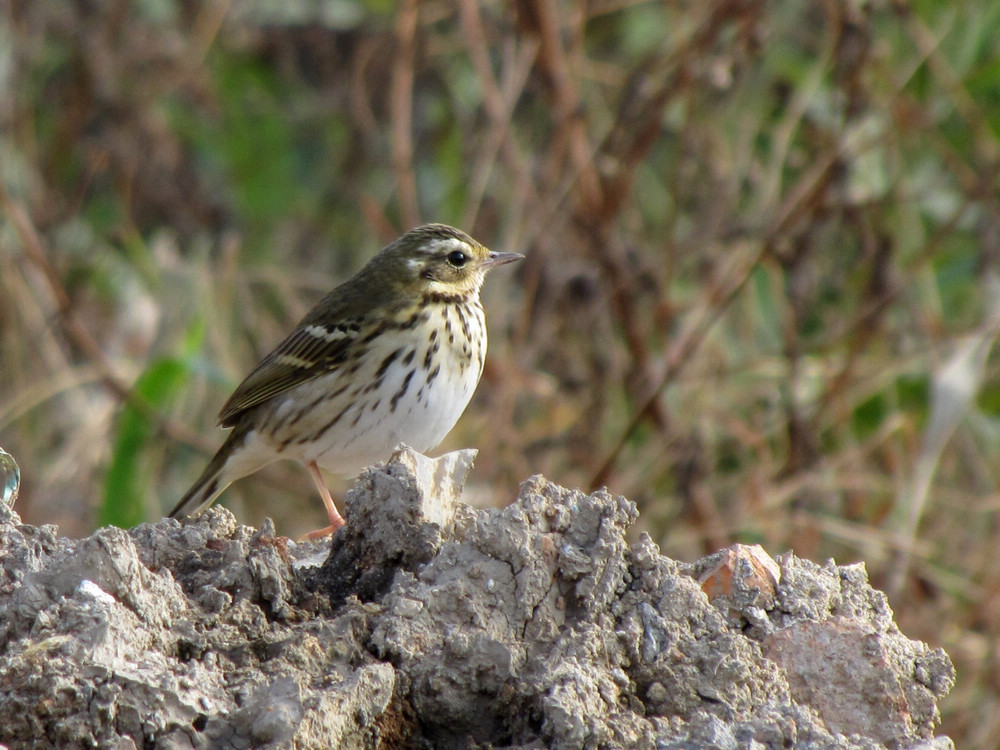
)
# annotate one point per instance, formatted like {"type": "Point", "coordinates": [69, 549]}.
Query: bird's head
{"type": "Point", "coordinates": [436, 258]}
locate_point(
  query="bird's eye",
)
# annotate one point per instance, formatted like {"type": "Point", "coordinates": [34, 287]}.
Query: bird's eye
{"type": "Point", "coordinates": [457, 258]}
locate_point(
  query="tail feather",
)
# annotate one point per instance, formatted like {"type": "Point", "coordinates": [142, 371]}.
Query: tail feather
{"type": "Point", "coordinates": [213, 480]}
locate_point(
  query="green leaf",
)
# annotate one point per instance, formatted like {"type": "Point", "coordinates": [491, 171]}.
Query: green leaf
{"type": "Point", "coordinates": [869, 415]}
{"type": "Point", "coordinates": [125, 487]}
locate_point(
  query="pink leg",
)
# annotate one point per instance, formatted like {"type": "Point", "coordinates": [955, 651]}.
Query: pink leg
{"type": "Point", "coordinates": [336, 520]}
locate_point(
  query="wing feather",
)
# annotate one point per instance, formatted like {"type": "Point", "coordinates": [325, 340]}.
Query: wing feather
{"type": "Point", "coordinates": [310, 351]}
{"type": "Point", "coordinates": [324, 339]}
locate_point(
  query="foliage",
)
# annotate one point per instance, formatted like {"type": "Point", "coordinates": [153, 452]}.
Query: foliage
{"type": "Point", "coordinates": [763, 243]}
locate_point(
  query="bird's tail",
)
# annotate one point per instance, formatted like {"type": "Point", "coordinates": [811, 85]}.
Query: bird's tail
{"type": "Point", "coordinates": [213, 480]}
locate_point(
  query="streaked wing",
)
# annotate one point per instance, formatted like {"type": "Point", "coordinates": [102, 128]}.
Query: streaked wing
{"type": "Point", "coordinates": [311, 350]}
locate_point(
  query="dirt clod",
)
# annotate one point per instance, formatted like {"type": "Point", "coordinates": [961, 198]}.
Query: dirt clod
{"type": "Point", "coordinates": [432, 624]}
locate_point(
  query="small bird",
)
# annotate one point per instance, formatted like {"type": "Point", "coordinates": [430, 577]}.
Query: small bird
{"type": "Point", "coordinates": [392, 355]}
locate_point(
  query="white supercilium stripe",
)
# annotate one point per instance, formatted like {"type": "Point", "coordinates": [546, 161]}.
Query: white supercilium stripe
{"type": "Point", "coordinates": [447, 243]}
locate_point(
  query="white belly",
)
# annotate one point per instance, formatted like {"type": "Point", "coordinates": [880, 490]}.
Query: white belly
{"type": "Point", "coordinates": [408, 403]}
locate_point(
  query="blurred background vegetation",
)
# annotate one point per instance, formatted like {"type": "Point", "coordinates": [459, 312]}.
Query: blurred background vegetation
{"type": "Point", "coordinates": [761, 291]}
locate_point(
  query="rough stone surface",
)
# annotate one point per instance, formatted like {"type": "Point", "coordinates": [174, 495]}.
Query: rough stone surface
{"type": "Point", "coordinates": [434, 625]}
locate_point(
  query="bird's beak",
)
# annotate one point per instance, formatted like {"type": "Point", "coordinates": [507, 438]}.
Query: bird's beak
{"type": "Point", "coordinates": [498, 259]}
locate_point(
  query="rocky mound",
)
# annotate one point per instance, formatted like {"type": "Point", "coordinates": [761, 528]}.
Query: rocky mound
{"type": "Point", "coordinates": [430, 624]}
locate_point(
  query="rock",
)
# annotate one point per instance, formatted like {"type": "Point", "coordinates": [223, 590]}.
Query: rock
{"type": "Point", "coordinates": [398, 518]}
{"type": "Point", "coordinates": [431, 624]}
{"type": "Point", "coordinates": [742, 582]}
{"type": "Point", "coordinates": [826, 662]}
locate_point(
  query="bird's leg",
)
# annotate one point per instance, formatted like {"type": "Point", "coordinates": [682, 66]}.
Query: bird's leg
{"type": "Point", "coordinates": [336, 520]}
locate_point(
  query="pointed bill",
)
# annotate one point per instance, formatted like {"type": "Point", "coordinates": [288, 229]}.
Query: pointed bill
{"type": "Point", "coordinates": [498, 259]}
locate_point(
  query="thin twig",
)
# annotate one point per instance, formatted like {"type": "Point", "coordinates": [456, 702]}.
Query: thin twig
{"type": "Point", "coordinates": [715, 299]}
{"type": "Point", "coordinates": [499, 105]}
{"type": "Point", "coordinates": [401, 104]}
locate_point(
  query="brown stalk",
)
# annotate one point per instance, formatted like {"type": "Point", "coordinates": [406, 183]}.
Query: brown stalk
{"type": "Point", "coordinates": [401, 104]}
